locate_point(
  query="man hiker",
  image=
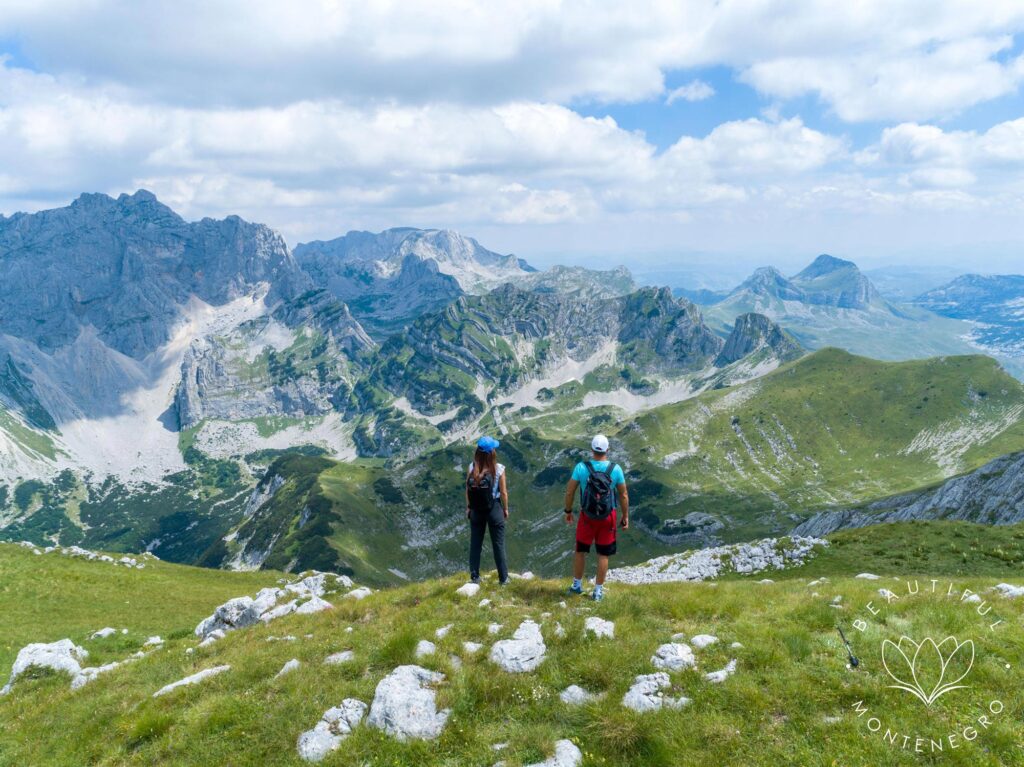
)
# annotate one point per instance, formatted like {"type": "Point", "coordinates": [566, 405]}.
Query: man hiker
{"type": "Point", "coordinates": [603, 494]}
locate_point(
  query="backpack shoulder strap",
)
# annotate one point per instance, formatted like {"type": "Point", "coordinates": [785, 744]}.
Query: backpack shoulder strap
{"type": "Point", "coordinates": [590, 467]}
{"type": "Point", "coordinates": [611, 469]}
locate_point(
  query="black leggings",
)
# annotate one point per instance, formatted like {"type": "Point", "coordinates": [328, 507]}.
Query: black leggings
{"type": "Point", "coordinates": [495, 524]}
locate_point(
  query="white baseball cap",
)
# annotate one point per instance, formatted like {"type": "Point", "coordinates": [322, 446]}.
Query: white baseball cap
{"type": "Point", "coordinates": [599, 444]}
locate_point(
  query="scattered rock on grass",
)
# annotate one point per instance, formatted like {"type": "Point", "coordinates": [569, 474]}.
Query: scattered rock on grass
{"type": "Point", "coordinates": [703, 640]}
{"type": "Point", "coordinates": [647, 693]}
{"type": "Point", "coordinates": [1009, 590]}
{"type": "Point", "coordinates": [868, 577]}
{"type": "Point", "coordinates": [525, 651]}
{"type": "Point", "coordinates": [717, 677]}
{"type": "Point", "coordinates": [425, 648]}
{"type": "Point", "coordinates": [288, 667]}
{"type": "Point", "coordinates": [599, 627]}
{"type": "Point", "coordinates": [361, 593]}
{"type": "Point", "coordinates": [472, 647]}
{"type": "Point", "coordinates": [62, 656]}
{"type": "Point", "coordinates": [468, 589]}
{"type": "Point", "coordinates": [190, 680]}
{"type": "Point", "coordinates": [567, 754]}
{"type": "Point", "coordinates": [574, 695]}
{"type": "Point", "coordinates": [405, 707]}
{"type": "Point", "coordinates": [673, 657]}
{"type": "Point", "coordinates": [314, 605]}
{"type": "Point", "coordinates": [335, 725]}
{"type": "Point", "coordinates": [442, 632]}
{"type": "Point", "coordinates": [103, 633]}
{"type": "Point", "coordinates": [340, 657]}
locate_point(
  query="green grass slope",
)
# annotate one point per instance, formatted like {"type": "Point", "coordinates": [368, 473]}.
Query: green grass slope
{"type": "Point", "coordinates": [791, 700]}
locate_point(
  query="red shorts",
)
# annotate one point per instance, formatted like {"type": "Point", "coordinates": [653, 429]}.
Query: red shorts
{"type": "Point", "coordinates": [596, 531]}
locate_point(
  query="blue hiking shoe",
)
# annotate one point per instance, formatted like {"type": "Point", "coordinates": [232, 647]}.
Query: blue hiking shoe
{"type": "Point", "coordinates": [574, 589]}
{"type": "Point", "coordinates": [598, 595]}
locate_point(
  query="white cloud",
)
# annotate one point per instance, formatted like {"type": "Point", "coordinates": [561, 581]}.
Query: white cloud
{"type": "Point", "coordinates": [696, 90]}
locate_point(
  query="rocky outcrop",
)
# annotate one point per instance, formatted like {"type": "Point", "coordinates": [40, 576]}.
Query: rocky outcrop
{"type": "Point", "coordinates": [991, 495]}
{"type": "Point", "coordinates": [753, 333]}
{"type": "Point", "coordinates": [525, 651]}
{"type": "Point", "coordinates": [63, 656]}
{"type": "Point", "coordinates": [707, 564]}
{"type": "Point", "coordinates": [334, 726]}
{"type": "Point", "coordinates": [648, 694]}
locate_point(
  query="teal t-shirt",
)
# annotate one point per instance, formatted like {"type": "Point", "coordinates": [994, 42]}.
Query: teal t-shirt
{"type": "Point", "coordinates": [581, 475]}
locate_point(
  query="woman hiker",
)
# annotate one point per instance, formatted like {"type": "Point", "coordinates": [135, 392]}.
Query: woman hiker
{"type": "Point", "coordinates": [487, 507]}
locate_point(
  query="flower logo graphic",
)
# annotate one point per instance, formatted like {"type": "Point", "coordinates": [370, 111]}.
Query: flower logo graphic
{"type": "Point", "coordinates": [926, 669]}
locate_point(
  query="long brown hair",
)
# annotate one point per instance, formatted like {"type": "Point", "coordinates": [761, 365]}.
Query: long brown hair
{"type": "Point", "coordinates": [485, 463]}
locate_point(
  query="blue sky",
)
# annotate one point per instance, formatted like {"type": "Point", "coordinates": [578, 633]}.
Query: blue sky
{"type": "Point", "coordinates": [886, 132]}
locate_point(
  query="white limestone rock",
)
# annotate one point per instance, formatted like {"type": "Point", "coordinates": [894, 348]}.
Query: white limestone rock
{"type": "Point", "coordinates": [61, 656]}
{"type": "Point", "coordinates": [1009, 591]}
{"type": "Point", "coordinates": [361, 593]}
{"type": "Point", "coordinates": [280, 611]}
{"type": "Point", "coordinates": [335, 725]}
{"type": "Point", "coordinates": [190, 680]}
{"type": "Point", "coordinates": [88, 674]}
{"type": "Point", "coordinates": [442, 632]}
{"type": "Point", "coordinates": [494, 628]}
{"type": "Point", "coordinates": [709, 563]}
{"type": "Point", "coordinates": [599, 627]}
{"type": "Point", "coordinates": [567, 754]}
{"type": "Point", "coordinates": [314, 605]}
{"type": "Point", "coordinates": [288, 667]}
{"type": "Point", "coordinates": [524, 652]}
{"type": "Point", "coordinates": [647, 693]}
{"type": "Point", "coordinates": [717, 677]}
{"type": "Point", "coordinates": [425, 649]}
{"type": "Point", "coordinates": [336, 659]}
{"type": "Point", "coordinates": [468, 589]}
{"type": "Point", "coordinates": [574, 695]}
{"type": "Point", "coordinates": [103, 633]}
{"type": "Point", "coordinates": [236, 613]}
{"type": "Point", "coordinates": [673, 656]}
{"type": "Point", "coordinates": [153, 642]}
{"type": "Point", "coordinates": [405, 706]}
{"type": "Point", "coordinates": [703, 640]}
{"type": "Point", "coordinates": [213, 636]}
{"type": "Point", "coordinates": [471, 648]}
{"type": "Point", "coordinates": [868, 577]}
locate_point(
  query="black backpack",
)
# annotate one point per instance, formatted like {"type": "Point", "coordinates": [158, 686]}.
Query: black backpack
{"type": "Point", "coordinates": [599, 493]}
{"type": "Point", "coordinates": [481, 493]}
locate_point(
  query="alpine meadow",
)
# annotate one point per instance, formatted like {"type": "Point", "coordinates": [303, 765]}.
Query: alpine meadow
{"type": "Point", "coordinates": [493, 385]}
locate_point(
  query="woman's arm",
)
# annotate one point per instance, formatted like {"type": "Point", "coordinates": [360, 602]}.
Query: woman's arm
{"type": "Point", "coordinates": [469, 513]}
{"type": "Point", "coordinates": [503, 487]}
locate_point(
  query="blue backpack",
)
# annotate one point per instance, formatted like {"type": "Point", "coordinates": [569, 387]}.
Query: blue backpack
{"type": "Point", "coordinates": [599, 492]}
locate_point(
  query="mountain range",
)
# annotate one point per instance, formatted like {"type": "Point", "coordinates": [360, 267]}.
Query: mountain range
{"type": "Point", "coordinates": [202, 391]}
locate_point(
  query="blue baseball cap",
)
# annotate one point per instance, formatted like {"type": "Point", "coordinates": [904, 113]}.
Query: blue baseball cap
{"type": "Point", "coordinates": [488, 444]}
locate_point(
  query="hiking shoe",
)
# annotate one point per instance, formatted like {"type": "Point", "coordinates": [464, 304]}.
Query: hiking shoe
{"type": "Point", "coordinates": [475, 580]}
{"type": "Point", "coordinates": [574, 589]}
{"type": "Point", "coordinates": [597, 596]}
{"type": "Point", "coordinates": [503, 583]}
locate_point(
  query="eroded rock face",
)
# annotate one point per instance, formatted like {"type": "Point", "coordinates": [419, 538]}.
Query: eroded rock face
{"type": "Point", "coordinates": [405, 705]}
{"type": "Point", "coordinates": [336, 724]}
{"type": "Point", "coordinates": [647, 693]}
{"type": "Point", "coordinates": [63, 656]}
{"type": "Point", "coordinates": [525, 651]}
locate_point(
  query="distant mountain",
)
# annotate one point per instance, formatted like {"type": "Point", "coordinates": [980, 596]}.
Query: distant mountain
{"type": "Point", "coordinates": [902, 284]}
{"type": "Point", "coordinates": [391, 277]}
{"type": "Point", "coordinates": [576, 280]}
{"type": "Point", "coordinates": [832, 303]}
{"type": "Point", "coordinates": [701, 296]}
{"type": "Point", "coordinates": [753, 334]}
{"type": "Point", "coordinates": [995, 302]}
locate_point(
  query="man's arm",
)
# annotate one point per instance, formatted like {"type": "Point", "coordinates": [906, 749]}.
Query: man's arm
{"type": "Point", "coordinates": [503, 493]}
{"type": "Point", "coordinates": [570, 498]}
{"type": "Point", "coordinates": [624, 505]}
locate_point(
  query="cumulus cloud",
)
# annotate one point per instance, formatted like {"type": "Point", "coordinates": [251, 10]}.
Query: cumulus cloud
{"type": "Point", "coordinates": [696, 90]}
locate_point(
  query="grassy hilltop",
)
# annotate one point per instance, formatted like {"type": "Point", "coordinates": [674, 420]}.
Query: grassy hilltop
{"type": "Point", "coordinates": [790, 700]}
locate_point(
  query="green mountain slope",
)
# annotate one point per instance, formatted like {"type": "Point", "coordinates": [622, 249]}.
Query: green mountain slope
{"type": "Point", "coordinates": [791, 699]}
{"type": "Point", "coordinates": [732, 464]}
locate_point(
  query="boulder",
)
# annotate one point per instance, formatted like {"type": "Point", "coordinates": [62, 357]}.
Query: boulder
{"type": "Point", "coordinates": [103, 633]}
{"type": "Point", "coordinates": [280, 611]}
{"type": "Point", "coordinates": [190, 680]}
{"type": "Point", "coordinates": [868, 577]}
{"type": "Point", "coordinates": [334, 726]}
{"type": "Point", "coordinates": [523, 652]}
{"type": "Point", "coordinates": [567, 754]}
{"type": "Point", "coordinates": [361, 593]}
{"type": "Point", "coordinates": [1009, 591]}
{"type": "Point", "coordinates": [673, 657]}
{"type": "Point", "coordinates": [599, 627]}
{"type": "Point", "coordinates": [405, 707]}
{"type": "Point", "coordinates": [88, 674]}
{"type": "Point", "coordinates": [647, 693]}
{"type": "Point", "coordinates": [62, 656]}
{"type": "Point", "coordinates": [468, 589]}
{"type": "Point", "coordinates": [442, 632]}
{"type": "Point", "coordinates": [472, 647]}
{"type": "Point", "coordinates": [703, 640]}
{"type": "Point", "coordinates": [288, 667]}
